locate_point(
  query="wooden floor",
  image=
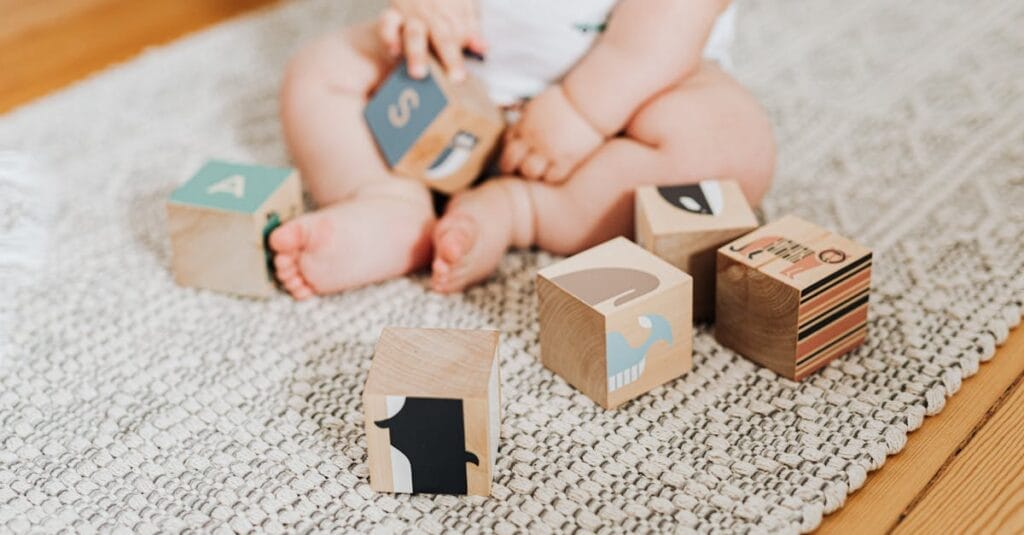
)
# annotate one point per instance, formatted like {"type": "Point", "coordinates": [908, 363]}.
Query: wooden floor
{"type": "Point", "coordinates": [963, 471]}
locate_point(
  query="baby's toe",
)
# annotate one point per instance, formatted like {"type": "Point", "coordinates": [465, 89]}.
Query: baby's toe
{"type": "Point", "coordinates": [287, 274]}
{"type": "Point", "coordinates": [285, 267]}
{"type": "Point", "coordinates": [303, 293]}
{"type": "Point", "coordinates": [454, 238]}
{"type": "Point", "coordinates": [289, 238]}
{"type": "Point", "coordinates": [295, 285]}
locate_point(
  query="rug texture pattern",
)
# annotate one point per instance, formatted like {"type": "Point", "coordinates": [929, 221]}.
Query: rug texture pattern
{"type": "Point", "coordinates": [129, 403]}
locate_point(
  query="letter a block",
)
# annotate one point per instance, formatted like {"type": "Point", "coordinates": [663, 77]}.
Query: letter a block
{"type": "Point", "coordinates": [792, 296]}
{"type": "Point", "coordinates": [434, 130]}
{"type": "Point", "coordinates": [432, 410]}
{"type": "Point", "coordinates": [687, 224]}
{"type": "Point", "coordinates": [615, 321]}
{"type": "Point", "coordinates": [219, 222]}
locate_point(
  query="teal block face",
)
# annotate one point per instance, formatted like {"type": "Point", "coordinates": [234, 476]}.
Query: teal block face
{"type": "Point", "coordinates": [231, 187]}
{"type": "Point", "coordinates": [401, 110]}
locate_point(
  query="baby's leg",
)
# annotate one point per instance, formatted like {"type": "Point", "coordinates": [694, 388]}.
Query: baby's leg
{"type": "Point", "coordinates": [708, 126]}
{"type": "Point", "coordinates": [370, 225]}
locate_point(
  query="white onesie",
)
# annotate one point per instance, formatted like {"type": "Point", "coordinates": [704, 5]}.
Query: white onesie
{"type": "Point", "coordinates": [533, 43]}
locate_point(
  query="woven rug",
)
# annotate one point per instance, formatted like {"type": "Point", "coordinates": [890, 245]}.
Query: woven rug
{"type": "Point", "coordinates": [129, 403]}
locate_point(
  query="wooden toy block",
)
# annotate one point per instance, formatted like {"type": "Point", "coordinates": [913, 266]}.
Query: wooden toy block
{"type": "Point", "coordinates": [615, 321]}
{"type": "Point", "coordinates": [685, 225]}
{"type": "Point", "coordinates": [432, 407]}
{"type": "Point", "coordinates": [792, 296]}
{"type": "Point", "coordinates": [219, 221]}
{"type": "Point", "coordinates": [434, 130]}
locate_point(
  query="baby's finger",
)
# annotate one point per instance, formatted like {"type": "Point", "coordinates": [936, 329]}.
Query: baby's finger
{"type": "Point", "coordinates": [534, 166]}
{"type": "Point", "coordinates": [471, 24]}
{"type": "Point", "coordinates": [415, 37]}
{"type": "Point", "coordinates": [557, 173]}
{"type": "Point", "coordinates": [389, 28]}
{"type": "Point", "coordinates": [476, 44]}
{"type": "Point", "coordinates": [514, 153]}
{"type": "Point", "coordinates": [448, 49]}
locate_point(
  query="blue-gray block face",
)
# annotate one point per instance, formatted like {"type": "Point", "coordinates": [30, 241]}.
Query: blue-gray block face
{"type": "Point", "coordinates": [401, 110]}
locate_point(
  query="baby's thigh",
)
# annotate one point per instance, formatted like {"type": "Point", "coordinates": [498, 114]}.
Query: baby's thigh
{"type": "Point", "coordinates": [350, 61]}
{"type": "Point", "coordinates": [702, 101]}
{"type": "Point", "coordinates": [709, 125]}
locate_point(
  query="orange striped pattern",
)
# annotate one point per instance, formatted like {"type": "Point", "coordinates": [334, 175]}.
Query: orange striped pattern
{"type": "Point", "coordinates": [832, 318]}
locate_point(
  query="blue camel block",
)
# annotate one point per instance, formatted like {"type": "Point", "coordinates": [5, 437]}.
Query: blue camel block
{"type": "Point", "coordinates": [615, 321]}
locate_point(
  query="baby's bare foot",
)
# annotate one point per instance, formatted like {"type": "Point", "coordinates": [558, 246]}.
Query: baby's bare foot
{"type": "Point", "coordinates": [380, 233]}
{"type": "Point", "coordinates": [479, 226]}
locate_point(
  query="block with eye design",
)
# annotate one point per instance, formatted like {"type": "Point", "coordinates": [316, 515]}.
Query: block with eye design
{"type": "Point", "coordinates": [615, 321]}
{"type": "Point", "coordinates": [219, 222]}
{"type": "Point", "coordinates": [686, 224]}
{"type": "Point", "coordinates": [432, 408]}
{"type": "Point", "coordinates": [792, 296]}
{"type": "Point", "coordinates": [440, 132]}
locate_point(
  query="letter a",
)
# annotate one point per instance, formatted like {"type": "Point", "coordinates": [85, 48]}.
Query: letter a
{"type": "Point", "coordinates": [234, 184]}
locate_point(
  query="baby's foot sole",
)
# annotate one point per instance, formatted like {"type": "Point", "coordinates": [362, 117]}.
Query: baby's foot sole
{"type": "Point", "coordinates": [288, 241]}
{"type": "Point", "coordinates": [340, 246]}
{"type": "Point", "coordinates": [472, 237]}
{"type": "Point", "coordinates": [454, 237]}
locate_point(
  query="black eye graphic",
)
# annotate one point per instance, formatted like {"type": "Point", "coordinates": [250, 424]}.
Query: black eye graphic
{"type": "Point", "coordinates": [704, 198]}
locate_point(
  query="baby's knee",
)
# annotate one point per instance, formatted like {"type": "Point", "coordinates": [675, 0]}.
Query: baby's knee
{"type": "Point", "coordinates": [745, 152]}
{"type": "Point", "coordinates": [343, 62]}
{"type": "Point", "coordinates": [753, 166]}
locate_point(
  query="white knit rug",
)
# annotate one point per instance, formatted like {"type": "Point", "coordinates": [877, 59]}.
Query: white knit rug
{"type": "Point", "coordinates": [127, 403]}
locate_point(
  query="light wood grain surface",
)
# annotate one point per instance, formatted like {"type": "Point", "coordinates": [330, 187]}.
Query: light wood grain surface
{"type": "Point", "coordinates": [982, 488]}
{"type": "Point", "coordinates": [46, 44]}
{"type": "Point", "coordinates": [961, 471]}
{"type": "Point", "coordinates": [901, 485]}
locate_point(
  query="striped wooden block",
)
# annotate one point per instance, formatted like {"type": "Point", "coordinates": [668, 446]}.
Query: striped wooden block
{"type": "Point", "coordinates": [792, 296]}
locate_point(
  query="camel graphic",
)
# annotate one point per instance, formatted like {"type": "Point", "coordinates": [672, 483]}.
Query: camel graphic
{"type": "Point", "coordinates": [802, 258]}
{"type": "Point", "coordinates": [626, 363]}
{"type": "Point", "coordinates": [808, 262]}
{"type": "Point", "coordinates": [755, 247]}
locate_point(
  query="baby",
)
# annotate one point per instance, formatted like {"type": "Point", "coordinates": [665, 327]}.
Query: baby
{"type": "Point", "coordinates": [621, 93]}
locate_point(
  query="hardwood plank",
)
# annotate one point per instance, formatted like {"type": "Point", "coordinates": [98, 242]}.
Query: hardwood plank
{"type": "Point", "coordinates": [22, 16]}
{"type": "Point", "coordinates": [47, 45]}
{"type": "Point", "coordinates": [982, 489]}
{"type": "Point", "coordinates": [889, 491]}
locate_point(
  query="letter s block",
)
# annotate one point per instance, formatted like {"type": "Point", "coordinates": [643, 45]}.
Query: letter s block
{"type": "Point", "coordinates": [792, 296]}
{"type": "Point", "coordinates": [615, 321]}
{"type": "Point", "coordinates": [432, 408]}
{"type": "Point", "coordinates": [434, 130]}
{"type": "Point", "coordinates": [219, 221]}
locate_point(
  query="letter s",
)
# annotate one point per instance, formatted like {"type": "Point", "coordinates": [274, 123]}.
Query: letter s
{"type": "Point", "coordinates": [399, 113]}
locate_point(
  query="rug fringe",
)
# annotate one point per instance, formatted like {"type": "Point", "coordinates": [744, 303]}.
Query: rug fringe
{"type": "Point", "coordinates": [28, 201]}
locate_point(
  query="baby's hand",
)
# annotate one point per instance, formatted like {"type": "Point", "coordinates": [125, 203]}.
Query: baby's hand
{"type": "Point", "coordinates": [449, 26]}
{"type": "Point", "coordinates": [550, 139]}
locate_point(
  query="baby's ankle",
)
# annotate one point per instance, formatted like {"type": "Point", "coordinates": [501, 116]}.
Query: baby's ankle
{"type": "Point", "coordinates": [523, 228]}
